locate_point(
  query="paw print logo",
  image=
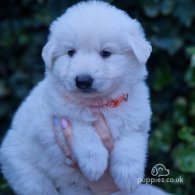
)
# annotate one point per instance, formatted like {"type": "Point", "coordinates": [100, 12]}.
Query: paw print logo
{"type": "Point", "coordinates": [160, 170]}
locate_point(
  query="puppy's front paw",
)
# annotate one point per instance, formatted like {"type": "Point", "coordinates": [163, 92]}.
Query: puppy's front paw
{"type": "Point", "coordinates": [93, 163]}
{"type": "Point", "coordinates": [126, 177]}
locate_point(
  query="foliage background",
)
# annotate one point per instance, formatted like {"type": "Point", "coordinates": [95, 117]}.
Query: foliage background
{"type": "Point", "coordinates": [169, 25]}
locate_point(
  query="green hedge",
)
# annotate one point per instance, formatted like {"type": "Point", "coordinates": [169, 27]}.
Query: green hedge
{"type": "Point", "coordinates": [169, 25]}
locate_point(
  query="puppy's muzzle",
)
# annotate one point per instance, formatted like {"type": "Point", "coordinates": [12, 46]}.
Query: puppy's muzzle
{"type": "Point", "coordinates": [84, 82]}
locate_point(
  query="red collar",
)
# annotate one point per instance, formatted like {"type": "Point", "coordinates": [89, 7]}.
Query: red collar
{"type": "Point", "coordinates": [111, 103]}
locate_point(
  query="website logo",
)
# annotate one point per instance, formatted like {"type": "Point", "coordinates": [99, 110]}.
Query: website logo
{"type": "Point", "coordinates": [160, 174]}
{"type": "Point", "coordinates": [160, 171]}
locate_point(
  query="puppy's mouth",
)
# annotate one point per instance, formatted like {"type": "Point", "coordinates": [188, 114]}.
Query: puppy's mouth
{"type": "Point", "coordinates": [88, 91]}
{"type": "Point", "coordinates": [93, 93]}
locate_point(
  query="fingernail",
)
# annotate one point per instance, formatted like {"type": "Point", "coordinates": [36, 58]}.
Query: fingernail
{"type": "Point", "coordinates": [68, 162]}
{"type": "Point", "coordinates": [56, 121]}
{"type": "Point", "coordinates": [64, 123]}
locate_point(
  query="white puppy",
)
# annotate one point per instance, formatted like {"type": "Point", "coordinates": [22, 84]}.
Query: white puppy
{"type": "Point", "coordinates": [95, 60]}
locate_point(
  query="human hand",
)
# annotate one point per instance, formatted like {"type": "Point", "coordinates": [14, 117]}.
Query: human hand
{"type": "Point", "coordinates": [105, 185]}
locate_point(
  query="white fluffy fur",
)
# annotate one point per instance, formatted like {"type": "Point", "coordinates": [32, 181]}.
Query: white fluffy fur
{"type": "Point", "coordinates": [31, 160]}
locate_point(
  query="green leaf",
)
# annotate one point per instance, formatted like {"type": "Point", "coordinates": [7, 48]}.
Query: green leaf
{"type": "Point", "coordinates": [190, 76]}
{"type": "Point", "coordinates": [185, 11]}
{"type": "Point", "coordinates": [190, 50]}
{"type": "Point", "coordinates": [179, 112]}
{"type": "Point", "coordinates": [171, 44]}
{"type": "Point", "coordinates": [151, 10]}
{"type": "Point", "coordinates": [184, 158]}
{"type": "Point", "coordinates": [162, 77]}
{"type": "Point", "coordinates": [166, 6]}
{"type": "Point", "coordinates": [187, 134]}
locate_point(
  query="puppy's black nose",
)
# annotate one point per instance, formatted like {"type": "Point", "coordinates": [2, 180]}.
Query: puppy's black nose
{"type": "Point", "coordinates": [83, 81]}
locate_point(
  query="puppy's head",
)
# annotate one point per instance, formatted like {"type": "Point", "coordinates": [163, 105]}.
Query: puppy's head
{"type": "Point", "coordinates": [95, 49]}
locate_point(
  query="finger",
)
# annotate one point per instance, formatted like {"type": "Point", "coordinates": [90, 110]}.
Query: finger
{"type": "Point", "coordinates": [59, 137]}
{"type": "Point", "coordinates": [104, 131]}
{"type": "Point", "coordinates": [67, 132]}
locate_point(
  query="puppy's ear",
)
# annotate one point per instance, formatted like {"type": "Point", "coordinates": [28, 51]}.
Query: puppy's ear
{"type": "Point", "coordinates": [141, 48]}
{"type": "Point", "coordinates": [48, 54]}
{"type": "Point", "coordinates": [138, 43]}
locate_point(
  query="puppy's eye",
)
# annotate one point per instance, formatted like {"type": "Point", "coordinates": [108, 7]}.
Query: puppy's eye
{"type": "Point", "coordinates": [71, 52]}
{"type": "Point", "coordinates": [105, 54]}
